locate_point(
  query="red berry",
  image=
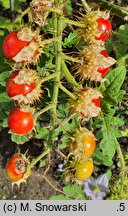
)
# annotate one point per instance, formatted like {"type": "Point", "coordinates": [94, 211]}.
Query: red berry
{"type": "Point", "coordinates": [12, 45]}
{"type": "Point", "coordinates": [105, 26]}
{"type": "Point", "coordinates": [13, 88]}
{"type": "Point", "coordinates": [20, 122]}
{"type": "Point", "coordinates": [21, 46]}
{"type": "Point", "coordinates": [96, 101]}
{"type": "Point", "coordinates": [104, 71]}
{"type": "Point", "coordinates": [15, 167]}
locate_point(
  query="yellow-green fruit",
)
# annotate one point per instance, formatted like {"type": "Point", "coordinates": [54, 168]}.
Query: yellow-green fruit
{"type": "Point", "coordinates": [84, 169]}
{"type": "Point", "coordinates": [84, 143]}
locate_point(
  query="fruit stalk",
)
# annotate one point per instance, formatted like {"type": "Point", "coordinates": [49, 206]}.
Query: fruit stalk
{"type": "Point", "coordinates": [44, 79]}
{"type": "Point", "coordinates": [72, 22]}
{"type": "Point", "coordinates": [66, 91]}
{"type": "Point", "coordinates": [35, 161]}
{"type": "Point", "coordinates": [69, 77]}
{"type": "Point", "coordinates": [70, 58]}
{"type": "Point", "coordinates": [43, 111]}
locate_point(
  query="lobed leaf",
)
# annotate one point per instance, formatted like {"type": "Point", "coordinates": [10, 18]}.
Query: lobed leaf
{"type": "Point", "coordinates": [71, 39]}
{"type": "Point", "coordinates": [19, 139]}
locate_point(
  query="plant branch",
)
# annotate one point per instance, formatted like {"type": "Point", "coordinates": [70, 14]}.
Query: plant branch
{"type": "Point", "coordinates": [66, 91]}
{"type": "Point", "coordinates": [70, 58]}
{"type": "Point", "coordinates": [72, 22]}
{"type": "Point", "coordinates": [35, 161]}
{"type": "Point", "coordinates": [69, 77]}
{"type": "Point", "coordinates": [57, 22]}
{"type": "Point", "coordinates": [43, 111]}
{"type": "Point", "coordinates": [44, 79]}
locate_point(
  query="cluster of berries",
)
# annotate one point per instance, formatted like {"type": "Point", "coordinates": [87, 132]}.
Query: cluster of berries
{"type": "Point", "coordinates": [95, 64]}
{"type": "Point", "coordinates": [23, 85]}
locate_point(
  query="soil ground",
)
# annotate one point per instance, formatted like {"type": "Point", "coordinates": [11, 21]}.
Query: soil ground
{"type": "Point", "coordinates": [35, 189]}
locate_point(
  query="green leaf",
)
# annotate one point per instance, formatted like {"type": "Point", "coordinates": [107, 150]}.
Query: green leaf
{"type": "Point", "coordinates": [5, 3]}
{"type": "Point", "coordinates": [3, 77]}
{"type": "Point", "coordinates": [41, 133]}
{"type": "Point", "coordinates": [68, 7]}
{"type": "Point", "coordinates": [63, 110]}
{"type": "Point", "coordinates": [4, 97]}
{"type": "Point", "coordinates": [71, 190]}
{"type": "Point", "coordinates": [111, 87]}
{"type": "Point", "coordinates": [109, 174]}
{"type": "Point", "coordinates": [75, 190]}
{"type": "Point", "coordinates": [19, 139]}
{"type": "Point", "coordinates": [122, 34]}
{"type": "Point", "coordinates": [71, 39]}
{"type": "Point", "coordinates": [59, 197]}
{"type": "Point", "coordinates": [42, 163]}
{"type": "Point", "coordinates": [5, 23]}
{"type": "Point", "coordinates": [114, 80]}
{"type": "Point", "coordinates": [108, 133]}
{"type": "Point", "coordinates": [101, 158]}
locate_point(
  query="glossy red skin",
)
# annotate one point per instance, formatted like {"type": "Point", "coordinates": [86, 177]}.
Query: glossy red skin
{"type": "Point", "coordinates": [12, 45]}
{"type": "Point", "coordinates": [96, 101]}
{"type": "Point", "coordinates": [12, 172]}
{"type": "Point", "coordinates": [20, 122]}
{"type": "Point", "coordinates": [14, 89]}
{"type": "Point", "coordinates": [104, 25]}
{"type": "Point", "coordinates": [104, 71]}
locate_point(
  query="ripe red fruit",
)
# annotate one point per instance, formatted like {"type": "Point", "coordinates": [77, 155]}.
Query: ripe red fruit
{"type": "Point", "coordinates": [15, 168]}
{"type": "Point", "coordinates": [13, 88]}
{"type": "Point", "coordinates": [96, 101]}
{"type": "Point", "coordinates": [21, 46]}
{"type": "Point", "coordinates": [105, 26]}
{"type": "Point", "coordinates": [12, 45]}
{"type": "Point", "coordinates": [104, 71]}
{"type": "Point", "coordinates": [20, 121]}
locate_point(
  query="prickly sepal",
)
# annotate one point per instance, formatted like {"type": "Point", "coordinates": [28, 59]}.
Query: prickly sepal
{"type": "Point", "coordinates": [83, 106]}
{"type": "Point", "coordinates": [38, 7]}
{"type": "Point", "coordinates": [31, 52]}
{"type": "Point", "coordinates": [28, 76]}
{"type": "Point", "coordinates": [92, 60]}
{"type": "Point", "coordinates": [91, 31]}
{"type": "Point", "coordinates": [79, 138]}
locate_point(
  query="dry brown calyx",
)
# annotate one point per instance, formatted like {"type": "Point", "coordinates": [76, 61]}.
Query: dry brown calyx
{"type": "Point", "coordinates": [38, 7]}
{"type": "Point", "coordinates": [27, 76]}
{"type": "Point", "coordinates": [83, 105]}
{"type": "Point", "coordinates": [92, 60]}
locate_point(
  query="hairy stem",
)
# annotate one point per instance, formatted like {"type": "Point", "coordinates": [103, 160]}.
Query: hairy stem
{"type": "Point", "coordinates": [57, 22]}
{"type": "Point", "coordinates": [69, 77]}
{"type": "Point", "coordinates": [44, 79]}
{"type": "Point", "coordinates": [43, 111]}
{"type": "Point", "coordinates": [66, 91]}
{"type": "Point", "coordinates": [70, 58]}
{"type": "Point", "coordinates": [35, 161]}
{"type": "Point", "coordinates": [72, 22]}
